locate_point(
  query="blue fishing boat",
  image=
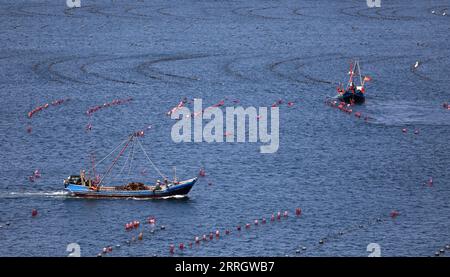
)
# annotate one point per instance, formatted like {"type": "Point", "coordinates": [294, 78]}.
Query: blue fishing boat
{"type": "Point", "coordinates": [131, 190]}
{"type": "Point", "coordinates": [353, 93]}
{"type": "Point", "coordinates": [90, 185]}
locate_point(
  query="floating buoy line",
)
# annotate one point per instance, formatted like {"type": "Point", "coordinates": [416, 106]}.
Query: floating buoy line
{"type": "Point", "coordinates": [45, 106]}
{"type": "Point", "coordinates": [183, 103]}
{"type": "Point", "coordinates": [237, 229]}
{"type": "Point", "coordinates": [92, 110]}
{"type": "Point", "coordinates": [442, 251]}
{"type": "Point", "coordinates": [346, 108]}
{"type": "Point", "coordinates": [40, 108]}
{"type": "Point", "coordinates": [321, 242]}
{"type": "Point", "coordinates": [137, 231]}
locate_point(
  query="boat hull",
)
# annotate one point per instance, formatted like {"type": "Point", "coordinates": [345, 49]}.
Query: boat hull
{"type": "Point", "coordinates": [349, 97]}
{"type": "Point", "coordinates": [180, 189]}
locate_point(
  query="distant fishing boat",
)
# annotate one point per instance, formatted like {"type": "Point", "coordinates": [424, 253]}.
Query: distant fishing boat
{"type": "Point", "coordinates": [353, 94]}
{"type": "Point", "coordinates": [83, 186]}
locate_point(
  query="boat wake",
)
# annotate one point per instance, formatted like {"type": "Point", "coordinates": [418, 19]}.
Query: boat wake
{"type": "Point", "coordinates": [405, 112]}
{"type": "Point", "coordinates": [51, 194]}
{"type": "Point", "coordinates": [165, 197]}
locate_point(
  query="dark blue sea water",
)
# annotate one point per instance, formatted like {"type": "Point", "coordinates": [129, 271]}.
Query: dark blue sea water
{"type": "Point", "coordinates": [343, 172]}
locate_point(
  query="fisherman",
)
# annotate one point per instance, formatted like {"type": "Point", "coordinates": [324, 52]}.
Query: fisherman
{"type": "Point", "coordinates": [352, 87]}
{"type": "Point", "coordinates": [158, 185]}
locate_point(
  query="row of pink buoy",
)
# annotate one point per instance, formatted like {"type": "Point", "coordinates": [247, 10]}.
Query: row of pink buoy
{"type": "Point", "coordinates": [36, 175]}
{"type": "Point", "coordinates": [133, 225]}
{"type": "Point", "coordinates": [238, 228]}
{"type": "Point", "coordinates": [221, 103]}
{"type": "Point", "coordinates": [115, 102]}
{"type": "Point", "coordinates": [177, 107]}
{"type": "Point", "coordinates": [280, 102]}
{"type": "Point", "coordinates": [45, 106]}
{"type": "Point", "coordinates": [346, 108]}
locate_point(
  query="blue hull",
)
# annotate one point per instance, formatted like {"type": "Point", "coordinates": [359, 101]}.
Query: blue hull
{"type": "Point", "coordinates": [182, 188]}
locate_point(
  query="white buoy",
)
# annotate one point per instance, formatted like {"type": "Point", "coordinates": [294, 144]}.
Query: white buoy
{"type": "Point", "coordinates": [433, 12]}
{"type": "Point", "coordinates": [416, 65]}
{"type": "Point", "coordinates": [444, 14]}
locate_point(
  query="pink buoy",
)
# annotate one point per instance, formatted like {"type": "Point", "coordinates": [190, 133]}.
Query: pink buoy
{"type": "Point", "coordinates": [290, 104]}
{"type": "Point", "coordinates": [110, 249]}
{"type": "Point", "coordinates": [34, 212]}
{"type": "Point", "coordinates": [202, 173]}
{"type": "Point", "coordinates": [256, 221]}
{"type": "Point", "coordinates": [211, 236]}
{"type": "Point", "coordinates": [151, 220]}
{"type": "Point", "coordinates": [430, 182]}
{"type": "Point", "coordinates": [263, 221]}
{"type": "Point", "coordinates": [358, 114]}
{"type": "Point", "coordinates": [37, 173]}
{"type": "Point", "coordinates": [172, 249]}
{"type": "Point", "coordinates": [190, 245]}
{"type": "Point", "coordinates": [279, 215]}
{"type": "Point", "coordinates": [298, 211]}
{"type": "Point", "coordinates": [181, 246]}
{"type": "Point", "coordinates": [285, 214]}
{"type": "Point", "coordinates": [404, 130]}
{"type": "Point", "coordinates": [272, 218]}
{"type": "Point", "coordinates": [197, 240]}
{"type": "Point", "coordinates": [394, 214]}
{"type": "Point", "coordinates": [247, 226]}
{"type": "Point", "coordinates": [217, 234]}
{"type": "Point", "coordinates": [104, 250]}
{"type": "Point", "coordinates": [204, 237]}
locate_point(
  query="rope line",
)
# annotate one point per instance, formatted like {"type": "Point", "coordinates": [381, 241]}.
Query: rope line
{"type": "Point", "coordinates": [154, 166]}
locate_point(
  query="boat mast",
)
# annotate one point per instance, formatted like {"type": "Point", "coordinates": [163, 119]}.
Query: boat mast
{"type": "Point", "coordinates": [354, 67]}
{"type": "Point", "coordinates": [359, 73]}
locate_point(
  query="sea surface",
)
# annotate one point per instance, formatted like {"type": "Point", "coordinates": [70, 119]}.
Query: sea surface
{"type": "Point", "coordinates": [347, 174]}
